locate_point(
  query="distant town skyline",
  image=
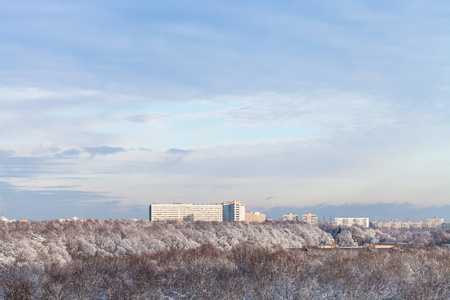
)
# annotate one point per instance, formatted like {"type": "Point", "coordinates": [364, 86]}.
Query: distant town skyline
{"type": "Point", "coordinates": [289, 107]}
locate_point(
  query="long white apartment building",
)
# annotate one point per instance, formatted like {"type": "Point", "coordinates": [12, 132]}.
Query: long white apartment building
{"type": "Point", "coordinates": [430, 223]}
{"type": "Point", "coordinates": [228, 211]}
{"type": "Point", "coordinates": [186, 212]}
{"type": "Point", "coordinates": [352, 221]}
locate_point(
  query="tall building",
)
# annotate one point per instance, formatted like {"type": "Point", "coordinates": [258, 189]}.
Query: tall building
{"type": "Point", "coordinates": [233, 211]}
{"type": "Point", "coordinates": [309, 218]}
{"type": "Point", "coordinates": [255, 217]}
{"type": "Point", "coordinates": [352, 221]}
{"type": "Point", "coordinates": [290, 217]}
{"type": "Point", "coordinates": [186, 212]}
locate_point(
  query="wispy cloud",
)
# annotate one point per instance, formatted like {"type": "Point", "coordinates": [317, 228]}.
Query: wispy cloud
{"type": "Point", "coordinates": [12, 166]}
{"type": "Point", "coordinates": [64, 202]}
{"type": "Point", "coordinates": [103, 150]}
{"type": "Point", "coordinates": [178, 152]}
{"type": "Point", "coordinates": [71, 152]}
{"type": "Point", "coordinates": [6, 153]}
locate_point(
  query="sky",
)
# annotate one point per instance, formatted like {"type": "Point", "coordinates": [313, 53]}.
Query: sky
{"type": "Point", "coordinates": [336, 106]}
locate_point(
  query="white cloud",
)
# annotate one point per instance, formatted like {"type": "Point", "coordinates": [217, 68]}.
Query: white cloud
{"type": "Point", "coordinates": [317, 102]}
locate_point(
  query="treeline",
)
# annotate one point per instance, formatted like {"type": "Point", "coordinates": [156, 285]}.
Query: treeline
{"type": "Point", "coordinates": [41, 243]}
{"type": "Point", "coordinates": [359, 236]}
{"type": "Point", "coordinates": [247, 271]}
{"type": "Point", "coordinates": [46, 242]}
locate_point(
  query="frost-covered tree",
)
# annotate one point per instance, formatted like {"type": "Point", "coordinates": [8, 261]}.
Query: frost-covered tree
{"type": "Point", "coordinates": [345, 239]}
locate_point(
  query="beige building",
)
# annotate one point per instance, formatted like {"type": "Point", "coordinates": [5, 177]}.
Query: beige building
{"type": "Point", "coordinates": [290, 217]}
{"type": "Point", "coordinates": [309, 218]}
{"type": "Point", "coordinates": [186, 212]}
{"type": "Point", "coordinates": [435, 222]}
{"type": "Point", "coordinates": [352, 221]}
{"type": "Point", "coordinates": [255, 217]}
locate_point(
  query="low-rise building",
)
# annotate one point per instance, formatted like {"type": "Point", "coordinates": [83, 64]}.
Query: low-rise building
{"type": "Point", "coordinates": [309, 218]}
{"type": "Point", "coordinates": [430, 223]}
{"type": "Point", "coordinates": [352, 221]}
{"type": "Point", "coordinates": [255, 217]}
{"type": "Point", "coordinates": [290, 217]}
{"type": "Point", "coordinates": [435, 222]}
{"type": "Point", "coordinates": [398, 225]}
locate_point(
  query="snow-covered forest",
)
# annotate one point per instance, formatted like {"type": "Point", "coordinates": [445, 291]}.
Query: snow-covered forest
{"type": "Point", "coordinates": [118, 259]}
{"type": "Point", "coordinates": [40, 243]}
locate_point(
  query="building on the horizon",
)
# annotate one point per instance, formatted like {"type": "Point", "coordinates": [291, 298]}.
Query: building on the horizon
{"type": "Point", "coordinates": [398, 224]}
{"type": "Point", "coordinates": [233, 211]}
{"type": "Point", "coordinates": [69, 220]}
{"type": "Point", "coordinates": [255, 217]}
{"type": "Point", "coordinates": [309, 218]}
{"type": "Point", "coordinates": [290, 217]}
{"type": "Point", "coordinates": [430, 223]}
{"type": "Point", "coordinates": [229, 211]}
{"type": "Point", "coordinates": [5, 219]}
{"type": "Point", "coordinates": [352, 221]}
{"type": "Point", "coordinates": [185, 212]}
{"type": "Point", "coordinates": [435, 222]}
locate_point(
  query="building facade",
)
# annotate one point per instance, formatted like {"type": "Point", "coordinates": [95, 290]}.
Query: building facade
{"type": "Point", "coordinates": [309, 218]}
{"type": "Point", "coordinates": [290, 217]}
{"type": "Point", "coordinates": [255, 217]}
{"type": "Point", "coordinates": [229, 211]}
{"type": "Point", "coordinates": [207, 212]}
{"type": "Point", "coordinates": [352, 221]}
{"type": "Point", "coordinates": [233, 211]}
{"type": "Point", "coordinates": [186, 212]}
{"type": "Point", "coordinates": [430, 223]}
{"type": "Point", "coordinates": [435, 222]}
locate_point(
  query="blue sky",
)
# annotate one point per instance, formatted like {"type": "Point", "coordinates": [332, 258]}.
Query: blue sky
{"type": "Point", "coordinates": [107, 107]}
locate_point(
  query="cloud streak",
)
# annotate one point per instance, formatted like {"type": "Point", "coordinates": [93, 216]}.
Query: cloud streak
{"type": "Point", "coordinates": [103, 150]}
{"type": "Point", "coordinates": [64, 202]}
